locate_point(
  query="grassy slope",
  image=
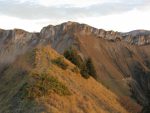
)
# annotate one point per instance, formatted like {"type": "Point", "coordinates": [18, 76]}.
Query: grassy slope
{"type": "Point", "coordinates": [86, 95]}
{"type": "Point", "coordinates": [114, 61]}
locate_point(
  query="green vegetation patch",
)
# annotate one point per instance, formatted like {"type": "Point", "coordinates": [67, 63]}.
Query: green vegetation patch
{"type": "Point", "coordinates": [60, 62]}
{"type": "Point", "coordinates": [86, 66]}
{"type": "Point", "coordinates": [43, 85]}
{"type": "Point", "coordinates": [75, 69]}
{"type": "Point", "coordinates": [91, 68]}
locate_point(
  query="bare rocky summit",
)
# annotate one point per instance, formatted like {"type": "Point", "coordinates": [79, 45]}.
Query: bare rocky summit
{"type": "Point", "coordinates": [137, 37]}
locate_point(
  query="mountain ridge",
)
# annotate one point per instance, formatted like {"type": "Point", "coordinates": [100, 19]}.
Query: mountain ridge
{"type": "Point", "coordinates": [141, 37]}
{"type": "Point", "coordinates": [122, 61]}
{"type": "Point", "coordinates": [110, 35]}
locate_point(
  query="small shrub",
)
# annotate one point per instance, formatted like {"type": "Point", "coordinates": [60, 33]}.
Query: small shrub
{"type": "Point", "coordinates": [72, 55]}
{"type": "Point", "coordinates": [22, 91]}
{"type": "Point", "coordinates": [58, 87]}
{"type": "Point", "coordinates": [84, 71]}
{"type": "Point", "coordinates": [60, 62]}
{"type": "Point", "coordinates": [31, 57]}
{"type": "Point", "coordinates": [75, 70]}
{"type": "Point", "coordinates": [90, 68]}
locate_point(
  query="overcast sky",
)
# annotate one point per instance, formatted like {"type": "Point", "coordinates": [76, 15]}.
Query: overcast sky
{"type": "Point", "coordinates": [118, 15]}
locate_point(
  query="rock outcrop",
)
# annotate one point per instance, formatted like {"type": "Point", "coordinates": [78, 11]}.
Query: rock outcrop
{"type": "Point", "coordinates": [138, 37]}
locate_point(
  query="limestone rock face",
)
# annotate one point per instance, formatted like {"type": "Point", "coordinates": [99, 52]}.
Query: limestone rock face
{"type": "Point", "coordinates": [138, 37]}
{"type": "Point", "coordinates": [14, 42]}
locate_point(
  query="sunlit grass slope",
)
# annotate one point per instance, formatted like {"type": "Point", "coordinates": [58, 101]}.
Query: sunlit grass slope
{"type": "Point", "coordinates": [42, 81]}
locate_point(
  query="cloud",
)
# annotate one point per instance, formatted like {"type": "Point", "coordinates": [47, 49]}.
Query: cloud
{"type": "Point", "coordinates": [124, 22]}
{"type": "Point", "coordinates": [78, 3]}
{"type": "Point", "coordinates": [26, 9]}
{"type": "Point", "coordinates": [32, 15]}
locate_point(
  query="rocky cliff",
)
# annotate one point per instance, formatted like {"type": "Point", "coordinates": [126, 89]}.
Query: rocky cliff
{"type": "Point", "coordinates": [137, 37]}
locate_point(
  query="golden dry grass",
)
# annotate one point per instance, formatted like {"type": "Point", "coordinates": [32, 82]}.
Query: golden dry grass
{"type": "Point", "coordinates": [87, 95]}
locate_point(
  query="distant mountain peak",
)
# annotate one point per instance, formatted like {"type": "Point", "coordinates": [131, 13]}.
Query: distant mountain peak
{"type": "Point", "coordinates": [139, 32]}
